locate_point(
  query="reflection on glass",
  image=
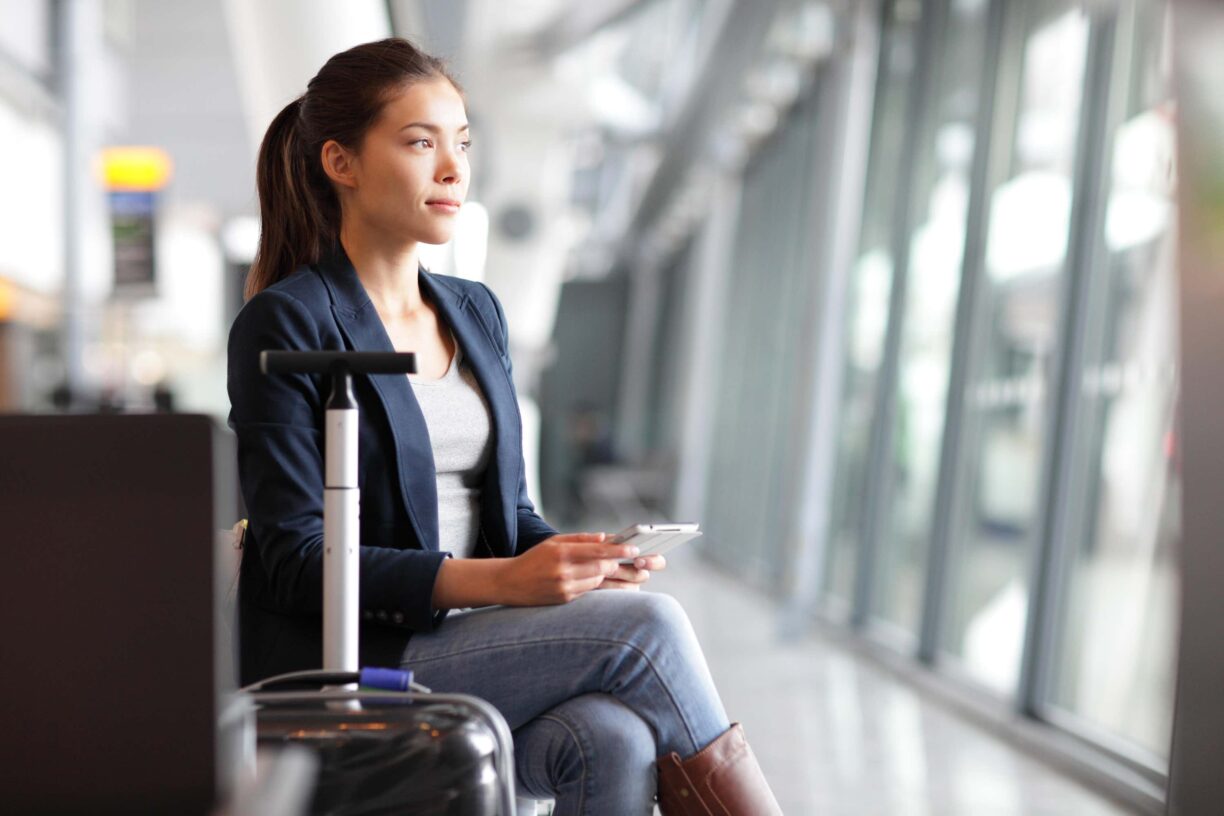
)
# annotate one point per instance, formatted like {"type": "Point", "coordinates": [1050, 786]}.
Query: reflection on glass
{"type": "Point", "coordinates": [1115, 657]}
{"type": "Point", "coordinates": [935, 250]}
{"type": "Point", "coordinates": [1006, 400]}
{"type": "Point", "coordinates": [869, 291]}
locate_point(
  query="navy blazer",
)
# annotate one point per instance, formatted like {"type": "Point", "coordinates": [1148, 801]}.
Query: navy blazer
{"type": "Point", "coordinates": [278, 420]}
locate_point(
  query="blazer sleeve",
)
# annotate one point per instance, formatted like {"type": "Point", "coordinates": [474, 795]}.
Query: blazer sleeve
{"type": "Point", "coordinates": [278, 422]}
{"type": "Point", "coordinates": [532, 528]}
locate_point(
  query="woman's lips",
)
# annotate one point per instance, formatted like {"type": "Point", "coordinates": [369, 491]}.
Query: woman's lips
{"type": "Point", "coordinates": [445, 205]}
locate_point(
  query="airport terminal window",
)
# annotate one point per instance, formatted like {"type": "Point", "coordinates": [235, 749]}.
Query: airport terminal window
{"type": "Point", "coordinates": [936, 245]}
{"type": "Point", "coordinates": [868, 296]}
{"type": "Point", "coordinates": [770, 283]}
{"type": "Point", "coordinates": [1114, 664]}
{"type": "Point", "coordinates": [1007, 401]}
{"type": "Point", "coordinates": [722, 505]}
{"type": "Point", "coordinates": [786, 356]}
{"type": "Point", "coordinates": [666, 363]}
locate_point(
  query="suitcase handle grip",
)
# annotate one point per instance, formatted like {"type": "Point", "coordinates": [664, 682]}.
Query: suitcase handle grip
{"type": "Point", "coordinates": [322, 362]}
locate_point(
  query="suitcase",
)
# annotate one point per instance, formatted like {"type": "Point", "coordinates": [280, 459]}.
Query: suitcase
{"type": "Point", "coordinates": [394, 753]}
{"type": "Point", "coordinates": [388, 745]}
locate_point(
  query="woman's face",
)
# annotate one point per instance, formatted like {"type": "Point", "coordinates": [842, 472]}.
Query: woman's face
{"type": "Point", "coordinates": [411, 174]}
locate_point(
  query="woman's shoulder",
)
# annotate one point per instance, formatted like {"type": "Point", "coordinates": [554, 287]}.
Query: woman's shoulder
{"type": "Point", "coordinates": [304, 284]}
{"type": "Point", "coordinates": [302, 289]}
{"type": "Point", "coordinates": [297, 306]}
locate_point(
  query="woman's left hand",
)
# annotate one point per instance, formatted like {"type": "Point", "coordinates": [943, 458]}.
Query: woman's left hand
{"type": "Point", "coordinates": [632, 576]}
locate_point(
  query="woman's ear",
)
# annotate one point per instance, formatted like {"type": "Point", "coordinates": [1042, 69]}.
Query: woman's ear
{"type": "Point", "coordinates": [338, 163]}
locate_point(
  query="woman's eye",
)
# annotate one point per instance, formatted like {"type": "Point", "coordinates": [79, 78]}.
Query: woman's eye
{"type": "Point", "coordinates": [420, 141]}
{"type": "Point", "coordinates": [466, 146]}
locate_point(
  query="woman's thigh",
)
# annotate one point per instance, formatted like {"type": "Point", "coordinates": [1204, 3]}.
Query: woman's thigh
{"type": "Point", "coordinates": [637, 646]}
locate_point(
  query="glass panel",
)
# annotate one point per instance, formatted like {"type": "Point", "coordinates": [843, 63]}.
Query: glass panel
{"type": "Point", "coordinates": [783, 333]}
{"type": "Point", "coordinates": [1006, 400]}
{"type": "Point", "coordinates": [933, 283]}
{"type": "Point", "coordinates": [661, 439]}
{"type": "Point", "coordinates": [869, 291]}
{"type": "Point", "coordinates": [770, 285]}
{"type": "Point", "coordinates": [1115, 660]}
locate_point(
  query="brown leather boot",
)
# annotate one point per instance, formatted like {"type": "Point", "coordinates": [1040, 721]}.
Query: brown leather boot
{"type": "Point", "coordinates": [722, 779]}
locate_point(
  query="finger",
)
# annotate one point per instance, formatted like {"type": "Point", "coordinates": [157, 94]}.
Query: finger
{"type": "Point", "coordinates": [580, 537]}
{"type": "Point", "coordinates": [612, 583]}
{"type": "Point", "coordinates": [592, 568]}
{"type": "Point", "coordinates": [610, 566]}
{"type": "Point", "coordinates": [596, 550]}
{"type": "Point", "coordinates": [583, 570]}
{"type": "Point", "coordinates": [629, 574]}
{"type": "Point", "coordinates": [585, 585]}
{"type": "Point", "coordinates": [654, 563]}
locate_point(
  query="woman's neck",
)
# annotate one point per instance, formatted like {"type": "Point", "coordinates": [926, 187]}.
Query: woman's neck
{"type": "Point", "coordinates": [387, 270]}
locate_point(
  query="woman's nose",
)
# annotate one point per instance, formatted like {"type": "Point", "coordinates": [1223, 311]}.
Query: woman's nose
{"type": "Point", "coordinates": [448, 168]}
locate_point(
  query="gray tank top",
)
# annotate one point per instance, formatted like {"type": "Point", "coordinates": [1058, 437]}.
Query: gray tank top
{"type": "Point", "coordinates": [460, 432]}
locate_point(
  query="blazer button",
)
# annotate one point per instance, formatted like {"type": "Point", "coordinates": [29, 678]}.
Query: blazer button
{"type": "Point", "coordinates": [398, 617]}
{"type": "Point", "coordinates": [382, 614]}
{"type": "Point", "coordinates": [367, 614]}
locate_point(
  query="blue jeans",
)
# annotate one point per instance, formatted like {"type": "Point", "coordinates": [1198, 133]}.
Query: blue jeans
{"type": "Point", "coordinates": [594, 691]}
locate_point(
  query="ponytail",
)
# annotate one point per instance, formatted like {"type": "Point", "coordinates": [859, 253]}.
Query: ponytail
{"type": "Point", "coordinates": [298, 208]}
{"type": "Point", "coordinates": [293, 203]}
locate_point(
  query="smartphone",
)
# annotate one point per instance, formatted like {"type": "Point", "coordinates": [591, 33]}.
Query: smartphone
{"type": "Point", "coordinates": [655, 539]}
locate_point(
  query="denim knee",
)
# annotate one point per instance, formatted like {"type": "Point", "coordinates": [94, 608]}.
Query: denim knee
{"type": "Point", "coordinates": [659, 617]}
{"type": "Point", "coordinates": [598, 729]}
{"type": "Point", "coordinates": [616, 735]}
{"type": "Point", "coordinates": [591, 752]}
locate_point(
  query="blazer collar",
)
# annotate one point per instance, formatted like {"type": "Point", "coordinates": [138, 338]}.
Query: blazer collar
{"type": "Point", "coordinates": [350, 296]}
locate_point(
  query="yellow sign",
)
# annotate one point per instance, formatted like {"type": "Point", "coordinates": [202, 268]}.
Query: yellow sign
{"type": "Point", "coordinates": [8, 300]}
{"type": "Point", "coordinates": [145, 169]}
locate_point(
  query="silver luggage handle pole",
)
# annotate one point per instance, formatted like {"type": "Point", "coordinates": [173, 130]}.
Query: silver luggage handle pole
{"type": "Point", "coordinates": [341, 530]}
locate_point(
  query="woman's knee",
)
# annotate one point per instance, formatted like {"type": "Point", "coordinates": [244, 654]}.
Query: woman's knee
{"type": "Point", "coordinates": [587, 737]}
{"type": "Point", "coordinates": [659, 616]}
{"type": "Point", "coordinates": [612, 728]}
{"type": "Point", "coordinates": [608, 735]}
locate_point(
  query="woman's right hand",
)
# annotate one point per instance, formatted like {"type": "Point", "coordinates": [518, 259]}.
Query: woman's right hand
{"type": "Point", "coordinates": [560, 569]}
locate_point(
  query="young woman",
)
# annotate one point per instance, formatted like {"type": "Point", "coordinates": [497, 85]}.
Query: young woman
{"type": "Point", "coordinates": [369, 163]}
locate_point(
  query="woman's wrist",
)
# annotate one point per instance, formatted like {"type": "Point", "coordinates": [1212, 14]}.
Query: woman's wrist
{"type": "Point", "coordinates": [467, 582]}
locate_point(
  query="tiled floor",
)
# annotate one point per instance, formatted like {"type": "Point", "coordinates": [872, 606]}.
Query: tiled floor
{"type": "Point", "coordinates": [838, 736]}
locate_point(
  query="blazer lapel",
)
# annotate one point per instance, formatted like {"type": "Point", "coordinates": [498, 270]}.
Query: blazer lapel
{"type": "Point", "coordinates": [364, 331]}
{"type": "Point", "coordinates": [501, 483]}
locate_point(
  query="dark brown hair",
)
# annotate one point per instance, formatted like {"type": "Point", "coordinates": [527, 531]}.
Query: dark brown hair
{"type": "Point", "coordinates": [298, 208]}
